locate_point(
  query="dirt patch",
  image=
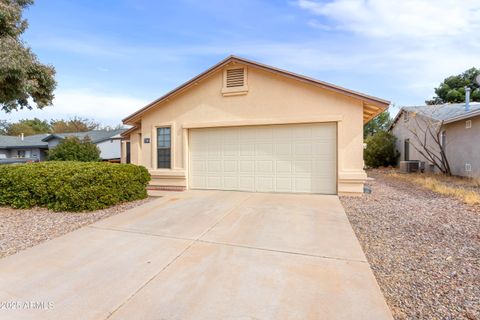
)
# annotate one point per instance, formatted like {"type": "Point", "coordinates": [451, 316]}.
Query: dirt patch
{"type": "Point", "coordinates": [24, 228]}
{"type": "Point", "coordinates": [424, 248]}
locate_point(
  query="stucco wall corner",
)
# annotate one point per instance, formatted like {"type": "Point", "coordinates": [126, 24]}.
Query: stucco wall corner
{"type": "Point", "coordinates": [351, 182]}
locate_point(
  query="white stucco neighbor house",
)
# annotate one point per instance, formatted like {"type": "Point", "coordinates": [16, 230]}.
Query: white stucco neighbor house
{"type": "Point", "coordinates": [459, 133]}
{"type": "Point", "coordinates": [35, 147]}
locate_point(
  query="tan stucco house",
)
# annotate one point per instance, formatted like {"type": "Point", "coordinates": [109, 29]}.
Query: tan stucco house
{"type": "Point", "coordinates": [242, 125]}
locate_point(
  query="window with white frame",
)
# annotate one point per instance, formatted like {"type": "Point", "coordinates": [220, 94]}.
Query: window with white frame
{"type": "Point", "coordinates": [21, 153]}
{"type": "Point", "coordinates": [164, 143]}
{"type": "Point", "coordinates": [468, 124]}
{"type": "Point", "coordinates": [405, 116]}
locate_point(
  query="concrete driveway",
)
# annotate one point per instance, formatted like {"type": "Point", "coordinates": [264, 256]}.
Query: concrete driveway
{"type": "Point", "coordinates": [200, 255]}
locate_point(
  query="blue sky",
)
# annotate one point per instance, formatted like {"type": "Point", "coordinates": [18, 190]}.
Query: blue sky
{"type": "Point", "coordinates": [112, 57]}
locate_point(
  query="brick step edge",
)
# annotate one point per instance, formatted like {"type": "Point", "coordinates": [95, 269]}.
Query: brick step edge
{"type": "Point", "coordinates": [166, 188]}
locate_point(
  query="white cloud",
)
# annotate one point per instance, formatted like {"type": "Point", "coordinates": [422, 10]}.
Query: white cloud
{"type": "Point", "coordinates": [417, 42]}
{"type": "Point", "coordinates": [107, 109]}
{"type": "Point", "coordinates": [412, 18]}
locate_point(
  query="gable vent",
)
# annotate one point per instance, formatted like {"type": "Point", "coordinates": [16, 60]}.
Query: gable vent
{"type": "Point", "coordinates": [235, 78]}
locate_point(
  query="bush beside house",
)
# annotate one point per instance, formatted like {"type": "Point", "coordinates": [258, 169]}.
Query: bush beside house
{"type": "Point", "coordinates": [74, 149]}
{"type": "Point", "coordinates": [380, 150]}
{"type": "Point", "coordinates": [71, 186]}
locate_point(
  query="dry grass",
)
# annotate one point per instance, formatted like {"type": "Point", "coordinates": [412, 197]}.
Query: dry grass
{"type": "Point", "coordinates": [466, 190]}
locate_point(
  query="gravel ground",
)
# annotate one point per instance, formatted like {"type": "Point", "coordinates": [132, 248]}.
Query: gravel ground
{"type": "Point", "coordinates": [24, 228]}
{"type": "Point", "coordinates": [424, 248]}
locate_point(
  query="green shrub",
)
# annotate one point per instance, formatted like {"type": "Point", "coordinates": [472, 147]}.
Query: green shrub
{"type": "Point", "coordinates": [74, 149]}
{"type": "Point", "coordinates": [380, 150]}
{"type": "Point", "coordinates": [71, 186]}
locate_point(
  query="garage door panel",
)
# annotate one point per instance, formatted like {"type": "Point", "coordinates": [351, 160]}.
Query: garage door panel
{"type": "Point", "coordinates": [303, 184]}
{"type": "Point", "coordinates": [283, 149]}
{"type": "Point", "coordinates": [230, 150]}
{"type": "Point", "coordinates": [302, 148]}
{"type": "Point", "coordinates": [230, 166]}
{"type": "Point", "coordinates": [302, 166]}
{"type": "Point", "coordinates": [247, 133]}
{"type": "Point", "coordinates": [283, 167]}
{"type": "Point", "coordinates": [282, 132]}
{"type": "Point", "coordinates": [263, 149]}
{"type": "Point", "coordinates": [302, 132]}
{"type": "Point", "coordinates": [321, 185]}
{"type": "Point", "coordinates": [327, 171]}
{"type": "Point", "coordinates": [247, 149]}
{"type": "Point", "coordinates": [247, 166]}
{"type": "Point", "coordinates": [323, 148]}
{"type": "Point", "coordinates": [264, 167]}
{"type": "Point", "coordinates": [265, 183]}
{"type": "Point", "coordinates": [326, 131]}
{"type": "Point", "coordinates": [230, 183]}
{"type": "Point", "coordinates": [214, 166]}
{"type": "Point", "coordinates": [246, 183]}
{"type": "Point", "coordinates": [214, 182]}
{"type": "Point", "coordinates": [263, 133]}
{"type": "Point", "coordinates": [198, 182]}
{"type": "Point", "coordinates": [284, 184]}
{"type": "Point", "coordinates": [279, 158]}
{"type": "Point", "coordinates": [199, 166]}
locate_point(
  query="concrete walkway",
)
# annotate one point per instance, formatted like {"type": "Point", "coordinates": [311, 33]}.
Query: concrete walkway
{"type": "Point", "coordinates": [200, 255]}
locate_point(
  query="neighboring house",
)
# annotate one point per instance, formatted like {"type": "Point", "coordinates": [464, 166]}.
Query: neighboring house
{"type": "Point", "coordinates": [29, 147]}
{"type": "Point", "coordinates": [36, 147]}
{"type": "Point", "coordinates": [242, 125]}
{"type": "Point", "coordinates": [459, 134]}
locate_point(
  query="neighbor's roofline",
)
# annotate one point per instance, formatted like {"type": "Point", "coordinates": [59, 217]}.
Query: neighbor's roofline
{"type": "Point", "coordinates": [470, 114]}
{"type": "Point", "coordinates": [367, 98]}
{"type": "Point", "coordinates": [39, 146]}
{"type": "Point", "coordinates": [473, 113]}
{"type": "Point", "coordinates": [402, 109]}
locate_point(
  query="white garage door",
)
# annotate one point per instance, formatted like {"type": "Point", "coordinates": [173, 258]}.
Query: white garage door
{"type": "Point", "coordinates": [278, 158]}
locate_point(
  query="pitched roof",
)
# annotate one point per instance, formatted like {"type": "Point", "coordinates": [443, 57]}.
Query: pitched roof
{"type": "Point", "coordinates": [448, 112]}
{"type": "Point", "coordinates": [41, 140]}
{"type": "Point", "coordinates": [95, 135]}
{"type": "Point", "coordinates": [375, 102]}
{"type": "Point", "coordinates": [35, 141]}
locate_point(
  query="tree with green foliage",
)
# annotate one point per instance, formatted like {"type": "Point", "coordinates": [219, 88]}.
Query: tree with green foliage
{"type": "Point", "coordinates": [75, 124]}
{"type": "Point", "coordinates": [22, 76]}
{"type": "Point", "coordinates": [380, 150]}
{"type": "Point", "coordinates": [377, 124]}
{"type": "Point", "coordinates": [36, 126]}
{"type": "Point", "coordinates": [74, 149]}
{"type": "Point", "coordinates": [452, 89]}
{"type": "Point", "coordinates": [28, 127]}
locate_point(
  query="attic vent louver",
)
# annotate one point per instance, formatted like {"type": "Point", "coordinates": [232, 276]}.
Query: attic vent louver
{"type": "Point", "coordinates": [234, 81]}
{"type": "Point", "coordinates": [235, 78]}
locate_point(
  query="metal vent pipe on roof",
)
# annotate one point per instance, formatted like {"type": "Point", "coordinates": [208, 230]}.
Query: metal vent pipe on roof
{"type": "Point", "coordinates": [467, 99]}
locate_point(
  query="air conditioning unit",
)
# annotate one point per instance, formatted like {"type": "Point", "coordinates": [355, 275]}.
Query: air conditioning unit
{"type": "Point", "coordinates": [412, 166]}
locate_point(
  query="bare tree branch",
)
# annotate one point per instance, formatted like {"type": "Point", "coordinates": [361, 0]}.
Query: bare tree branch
{"type": "Point", "coordinates": [428, 142]}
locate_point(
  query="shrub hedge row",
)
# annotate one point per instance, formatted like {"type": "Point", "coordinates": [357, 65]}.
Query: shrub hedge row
{"type": "Point", "coordinates": [71, 186]}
